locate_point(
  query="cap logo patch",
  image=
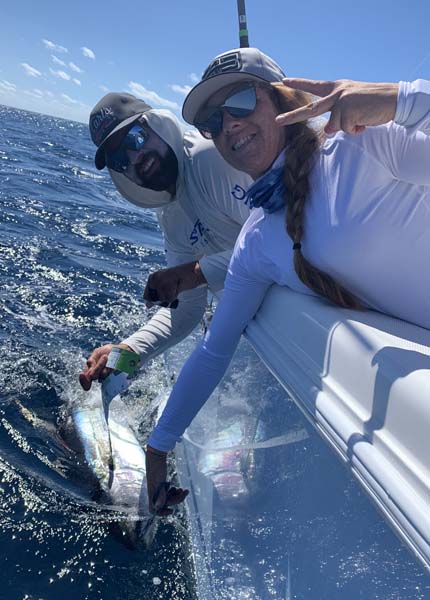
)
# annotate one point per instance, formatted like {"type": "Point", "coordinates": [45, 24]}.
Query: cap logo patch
{"type": "Point", "coordinates": [225, 64]}
{"type": "Point", "coordinates": [102, 123]}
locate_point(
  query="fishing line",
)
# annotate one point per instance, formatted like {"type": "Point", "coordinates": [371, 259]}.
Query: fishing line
{"type": "Point", "coordinates": [280, 440]}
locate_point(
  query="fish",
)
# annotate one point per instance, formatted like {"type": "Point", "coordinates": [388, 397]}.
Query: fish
{"type": "Point", "coordinates": [114, 458]}
{"type": "Point", "coordinates": [230, 458]}
{"type": "Point", "coordinates": [230, 468]}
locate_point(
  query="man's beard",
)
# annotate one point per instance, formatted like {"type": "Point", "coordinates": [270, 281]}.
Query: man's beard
{"type": "Point", "coordinates": [164, 177]}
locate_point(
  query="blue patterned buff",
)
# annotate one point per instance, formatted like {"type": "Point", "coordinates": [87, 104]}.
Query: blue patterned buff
{"type": "Point", "coordinates": [268, 191]}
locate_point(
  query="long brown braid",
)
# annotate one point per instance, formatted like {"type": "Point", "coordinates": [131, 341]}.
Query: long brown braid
{"type": "Point", "coordinates": [303, 142]}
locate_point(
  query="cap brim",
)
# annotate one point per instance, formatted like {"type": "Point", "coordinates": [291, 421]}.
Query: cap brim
{"type": "Point", "coordinates": [99, 159]}
{"type": "Point", "coordinates": [201, 93]}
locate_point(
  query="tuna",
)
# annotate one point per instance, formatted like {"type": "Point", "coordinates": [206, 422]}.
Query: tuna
{"type": "Point", "coordinates": [115, 458]}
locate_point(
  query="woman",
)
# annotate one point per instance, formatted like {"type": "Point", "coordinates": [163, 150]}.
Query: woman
{"type": "Point", "coordinates": [356, 209]}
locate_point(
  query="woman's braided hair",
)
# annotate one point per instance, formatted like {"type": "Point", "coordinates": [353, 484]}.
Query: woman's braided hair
{"type": "Point", "coordinates": [303, 141]}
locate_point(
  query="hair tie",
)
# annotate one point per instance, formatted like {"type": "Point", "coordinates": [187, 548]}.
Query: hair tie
{"type": "Point", "coordinates": [297, 246]}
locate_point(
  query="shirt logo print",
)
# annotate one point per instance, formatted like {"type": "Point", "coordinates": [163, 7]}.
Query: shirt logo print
{"type": "Point", "coordinates": [199, 233]}
{"type": "Point", "coordinates": [238, 192]}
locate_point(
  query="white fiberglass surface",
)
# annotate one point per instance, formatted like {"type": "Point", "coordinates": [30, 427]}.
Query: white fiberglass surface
{"type": "Point", "coordinates": [273, 513]}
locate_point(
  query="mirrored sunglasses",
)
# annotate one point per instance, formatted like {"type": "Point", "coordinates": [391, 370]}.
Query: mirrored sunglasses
{"type": "Point", "coordinates": [240, 104]}
{"type": "Point", "coordinates": [119, 159]}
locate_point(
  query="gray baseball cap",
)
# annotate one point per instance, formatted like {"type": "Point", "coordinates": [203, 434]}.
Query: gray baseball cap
{"type": "Point", "coordinates": [241, 64]}
{"type": "Point", "coordinates": [111, 114]}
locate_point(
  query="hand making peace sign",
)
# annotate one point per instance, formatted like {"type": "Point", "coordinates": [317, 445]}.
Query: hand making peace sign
{"type": "Point", "coordinates": [353, 104]}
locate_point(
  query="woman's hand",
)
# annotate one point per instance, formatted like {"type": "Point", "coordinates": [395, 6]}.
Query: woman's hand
{"type": "Point", "coordinates": [160, 495]}
{"type": "Point", "coordinates": [353, 104]}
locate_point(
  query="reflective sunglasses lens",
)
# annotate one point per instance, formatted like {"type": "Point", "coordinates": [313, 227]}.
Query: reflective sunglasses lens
{"type": "Point", "coordinates": [135, 138]}
{"type": "Point", "coordinates": [239, 105]}
{"type": "Point", "coordinates": [209, 124]}
{"type": "Point", "coordinates": [242, 103]}
{"type": "Point", "coordinates": [118, 161]}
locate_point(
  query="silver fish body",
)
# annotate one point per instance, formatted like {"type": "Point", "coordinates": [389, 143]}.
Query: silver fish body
{"type": "Point", "coordinates": [230, 461]}
{"type": "Point", "coordinates": [115, 458]}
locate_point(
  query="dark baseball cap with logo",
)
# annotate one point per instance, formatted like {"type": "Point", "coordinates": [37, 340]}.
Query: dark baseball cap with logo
{"type": "Point", "coordinates": [241, 64]}
{"type": "Point", "coordinates": [113, 113]}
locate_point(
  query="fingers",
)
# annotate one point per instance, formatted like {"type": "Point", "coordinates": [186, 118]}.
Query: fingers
{"type": "Point", "coordinates": [156, 474]}
{"type": "Point", "coordinates": [343, 121]}
{"type": "Point", "coordinates": [165, 512]}
{"type": "Point", "coordinates": [318, 88]}
{"type": "Point", "coordinates": [162, 286]}
{"type": "Point", "coordinates": [97, 354]}
{"type": "Point", "coordinates": [334, 123]}
{"type": "Point", "coordinates": [159, 498]}
{"type": "Point", "coordinates": [348, 125]}
{"type": "Point", "coordinates": [314, 109]}
{"type": "Point", "coordinates": [151, 289]}
{"type": "Point", "coordinates": [173, 497]}
{"type": "Point", "coordinates": [97, 372]}
{"type": "Point", "coordinates": [351, 122]}
{"type": "Point", "coordinates": [160, 494]}
{"type": "Point", "coordinates": [85, 380]}
{"type": "Point", "coordinates": [176, 496]}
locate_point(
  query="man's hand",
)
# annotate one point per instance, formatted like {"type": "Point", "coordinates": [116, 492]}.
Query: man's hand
{"type": "Point", "coordinates": [353, 104]}
{"type": "Point", "coordinates": [158, 488]}
{"type": "Point", "coordinates": [96, 365]}
{"type": "Point", "coordinates": [169, 283]}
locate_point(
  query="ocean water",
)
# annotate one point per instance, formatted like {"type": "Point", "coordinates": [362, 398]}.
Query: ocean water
{"type": "Point", "coordinates": [74, 258]}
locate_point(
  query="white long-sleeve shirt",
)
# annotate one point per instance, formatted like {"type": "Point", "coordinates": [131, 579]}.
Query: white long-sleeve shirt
{"type": "Point", "coordinates": [367, 223]}
{"type": "Point", "coordinates": [201, 224]}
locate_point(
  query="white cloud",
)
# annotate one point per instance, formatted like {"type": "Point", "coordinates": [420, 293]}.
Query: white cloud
{"type": "Point", "coordinates": [31, 71]}
{"type": "Point", "coordinates": [76, 81]}
{"type": "Point", "coordinates": [180, 89]}
{"type": "Point", "coordinates": [75, 68]}
{"type": "Point", "coordinates": [39, 94]}
{"type": "Point", "coordinates": [104, 89]}
{"type": "Point", "coordinates": [150, 96]}
{"type": "Point", "coordinates": [194, 78]}
{"type": "Point", "coordinates": [61, 74]}
{"type": "Point", "coordinates": [54, 47]}
{"type": "Point", "coordinates": [34, 94]}
{"type": "Point", "coordinates": [68, 99]}
{"type": "Point", "coordinates": [7, 86]}
{"type": "Point", "coordinates": [88, 52]}
{"type": "Point", "coordinates": [45, 102]}
{"type": "Point", "coordinates": [57, 61]}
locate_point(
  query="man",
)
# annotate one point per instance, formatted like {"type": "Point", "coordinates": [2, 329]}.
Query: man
{"type": "Point", "coordinates": [200, 204]}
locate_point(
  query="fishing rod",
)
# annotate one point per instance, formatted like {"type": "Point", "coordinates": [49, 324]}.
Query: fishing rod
{"type": "Point", "coordinates": [243, 31]}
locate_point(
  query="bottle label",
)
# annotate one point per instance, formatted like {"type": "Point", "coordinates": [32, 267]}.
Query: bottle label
{"type": "Point", "coordinates": [123, 360]}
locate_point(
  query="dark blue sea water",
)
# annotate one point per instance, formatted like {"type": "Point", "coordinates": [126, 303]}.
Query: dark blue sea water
{"type": "Point", "coordinates": [74, 258]}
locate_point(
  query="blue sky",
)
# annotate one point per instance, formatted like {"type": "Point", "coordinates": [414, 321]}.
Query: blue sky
{"type": "Point", "coordinates": [60, 57]}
